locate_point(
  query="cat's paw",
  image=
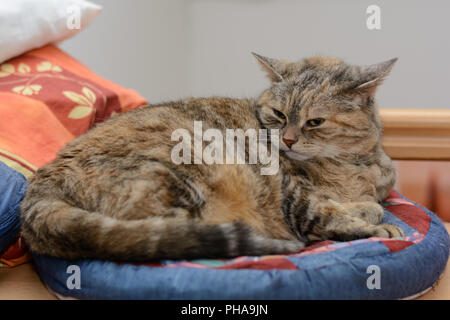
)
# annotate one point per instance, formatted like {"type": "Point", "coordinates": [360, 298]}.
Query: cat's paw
{"type": "Point", "coordinates": [387, 230]}
{"type": "Point", "coordinates": [371, 212]}
{"type": "Point", "coordinates": [296, 246]}
{"type": "Point", "coordinates": [266, 246]}
{"type": "Point", "coordinates": [287, 246]}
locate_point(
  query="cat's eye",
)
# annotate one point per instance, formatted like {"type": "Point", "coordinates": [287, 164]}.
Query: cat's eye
{"type": "Point", "coordinates": [314, 122]}
{"type": "Point", "coordinates": [279, 114]}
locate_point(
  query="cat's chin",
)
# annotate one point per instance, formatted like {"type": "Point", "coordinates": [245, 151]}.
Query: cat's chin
{"type": "Point", "coordinates": [296, 156]}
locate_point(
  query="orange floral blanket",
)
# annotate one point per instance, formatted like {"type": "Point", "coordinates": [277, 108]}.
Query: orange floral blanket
{"type": "Point", "coordinates": [47, 98]}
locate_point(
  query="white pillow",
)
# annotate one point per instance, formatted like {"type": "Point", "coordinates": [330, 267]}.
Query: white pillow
{"type": "Point", "coordinates": [29, 24]}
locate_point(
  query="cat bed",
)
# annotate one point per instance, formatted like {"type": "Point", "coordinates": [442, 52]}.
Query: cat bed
{"type": "Point", "coordinates": [12, 190]}
{"type": "Point", "coordinates": [372, 268]}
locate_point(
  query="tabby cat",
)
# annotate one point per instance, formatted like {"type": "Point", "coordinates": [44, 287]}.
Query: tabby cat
{"type": "Point", "coordinates": [115, 193]}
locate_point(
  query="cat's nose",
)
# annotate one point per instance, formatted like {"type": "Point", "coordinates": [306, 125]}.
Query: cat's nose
{"type": "Point", "coordinates": [290, 136]}
{"type": "Point", "coordinates": [289, 141]}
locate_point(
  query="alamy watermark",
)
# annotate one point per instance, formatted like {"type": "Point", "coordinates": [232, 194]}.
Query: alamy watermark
{"type": "Point", "coordinates": [373, 21]}
{"type": "Point", "coordinates": [74, 280]}
{"type": "Point", "coordinates": [73, 21]}
{"type": "Point", "coordinates": [374, 280]}
{"type": "Point", "coordinates": [228, 150]}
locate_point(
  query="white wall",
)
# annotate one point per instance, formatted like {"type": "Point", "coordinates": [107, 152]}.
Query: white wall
{"type": "Point", "coordinates": [167, 49]}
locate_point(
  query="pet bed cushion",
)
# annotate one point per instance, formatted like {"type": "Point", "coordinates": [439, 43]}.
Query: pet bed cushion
{"type": "Point", "coordinates": [373, 268]}
{"type": "Point", "coordinates": [12, 190]}
{"type": "Point", "coordinates": [48, 98]}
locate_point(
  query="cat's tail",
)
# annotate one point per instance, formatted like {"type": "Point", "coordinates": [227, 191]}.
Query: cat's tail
{"type": "Point", "coordinates": [68, 232]}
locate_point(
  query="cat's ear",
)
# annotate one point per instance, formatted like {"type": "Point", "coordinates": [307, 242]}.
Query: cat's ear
{"type": "Point", "coordinates": [372, 76]}
{"type": "Point", "coordinates": [269, 65]}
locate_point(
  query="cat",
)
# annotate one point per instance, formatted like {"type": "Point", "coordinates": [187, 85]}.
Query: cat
{"type": "Point", "coordinates": [115, 193]}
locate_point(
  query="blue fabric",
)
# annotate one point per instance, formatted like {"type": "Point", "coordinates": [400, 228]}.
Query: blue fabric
{"type": "Point", "coordinates": [339, 274]}
{"type": "Point", "coordinates": [12, 190]}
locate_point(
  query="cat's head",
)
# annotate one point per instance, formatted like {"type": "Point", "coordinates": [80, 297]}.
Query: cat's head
{"type": "Point", "coordinates": [322, 106]}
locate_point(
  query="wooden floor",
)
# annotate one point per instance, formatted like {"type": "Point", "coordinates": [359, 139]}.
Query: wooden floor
{"type": "Point", "coordinates": [23, 283]}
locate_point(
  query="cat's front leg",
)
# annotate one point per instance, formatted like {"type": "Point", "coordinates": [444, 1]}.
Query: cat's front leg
{"type": "Point", "coordinates": [328, 219]}
{"type": "Point", "coordinates": [369, 211]}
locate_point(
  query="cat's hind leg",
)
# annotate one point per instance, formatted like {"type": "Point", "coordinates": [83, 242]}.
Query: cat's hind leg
{"type": "Point", "coordinates": [181, 222]}
{"type": "Point", "coordinates": [155, 190]}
